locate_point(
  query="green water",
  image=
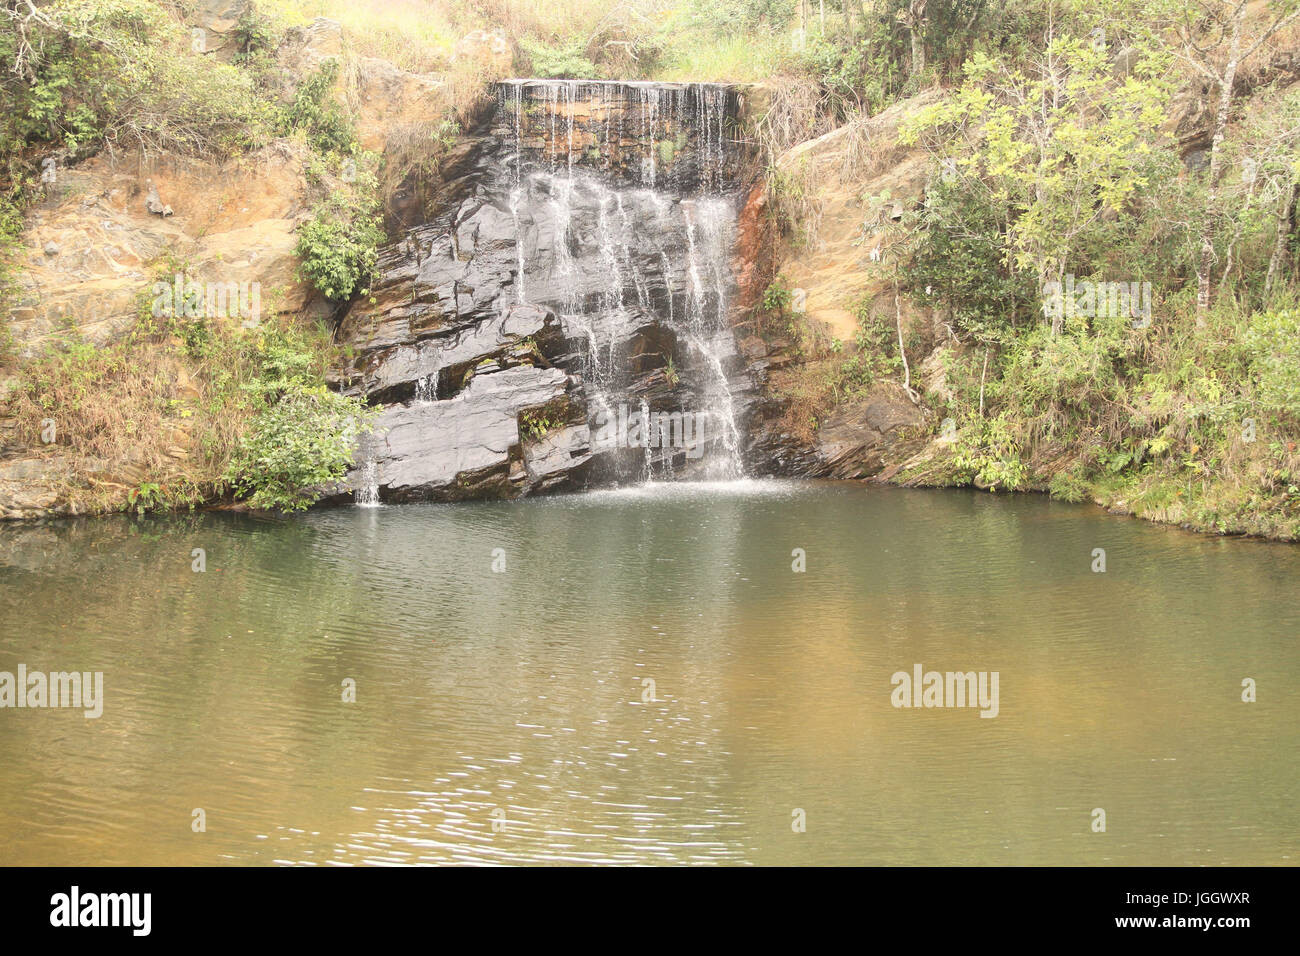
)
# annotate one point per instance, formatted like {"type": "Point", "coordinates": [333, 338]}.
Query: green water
{"type": "Point", "coordinates": [505, 717]}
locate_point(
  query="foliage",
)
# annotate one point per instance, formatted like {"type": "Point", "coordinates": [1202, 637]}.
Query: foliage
{"type": "Point", "coordinates": [1272, 341]}
{"type": "Point", "coordinates": [960, 264]}
{"type": "Point", "coordinates": [777, 296]}
{"type": "Point", "coordinates": [303, 440]}
{"type": "Point", "coordinates": [122, 72]}
{"type": "Point", "coordinates": [566, 60]}
{"type": "Point", "coordinates": [988, 453]}
{"type": "Point", "coordinates": [171, 408]}
{"type": "Point", "coordinates": [1059, 144]}
{"type": "Point", "coordinates": [255, 34]}
{"type": "Point", "coordinates": [318, 114]}
{"type": "Point", "coordinates": [339, 246]}
{"type": "Point", "coordinates": [536, 425]}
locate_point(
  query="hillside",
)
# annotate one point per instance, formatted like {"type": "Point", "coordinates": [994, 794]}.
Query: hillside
{"type": "Point", "coordinates": [1005, 244]}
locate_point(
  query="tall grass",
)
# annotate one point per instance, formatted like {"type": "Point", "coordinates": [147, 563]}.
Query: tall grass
{"type": "Point", "coordinates": [669, 41]}
{"type": "Point", "coordinates": [415, 35]}
{"type": "Point", "coordinates": [701, 57]}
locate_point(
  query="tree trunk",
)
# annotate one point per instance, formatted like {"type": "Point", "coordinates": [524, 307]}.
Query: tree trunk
{"type": "Point", "coordinates": [1058, 320]}
{"type": "Point", "coordinates": [1286, 224]}
{"type": "Point", "coordinates": [907, 370]}
{"type": "Point", "coordinates": [1210, 224]}
{"type": "Point", "coordinates": [916, 28]}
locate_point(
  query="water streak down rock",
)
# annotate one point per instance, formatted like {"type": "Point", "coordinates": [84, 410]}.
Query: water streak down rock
{"type": "Point", "coordinates": [576, 281]}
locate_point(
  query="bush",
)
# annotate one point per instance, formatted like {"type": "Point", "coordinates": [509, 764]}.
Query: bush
{"type": "Point", "coordinates": [961, 260]}
{"type": "Point", "coordinates": [303, 440]}
{"type": "Point", "coordinates": [338, 247]}
{"type": "Point", "coordinates": [122, 72]}
{"type": "Point", "coordinates": [1273, 342]}
{"type": "Point", "coordinates": [777, 297]}
{"type": "Point", "coordinates": [254, 34]}
{"type": "Point", "coordinates": [988, 453]}
{"type": "Point", "coordinates": [315, 112]}
{"type": "Point", "coordinates": [560, 61]}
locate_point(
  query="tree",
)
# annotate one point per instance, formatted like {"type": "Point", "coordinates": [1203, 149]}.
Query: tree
{"type": "Point", "coordinates": [1060, 146]}
{"type": "Point", "coordinates": [913, 17]}
{"type": "Point", "coordinates": [1217, 37]}
{"type": "Point", "coordinates": [1261, 203]}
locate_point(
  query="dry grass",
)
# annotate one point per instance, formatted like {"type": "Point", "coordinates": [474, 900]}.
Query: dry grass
{"type": "Point", "coordinates": [414, 35]}
{"type": "Point", "coordinates": [151, 409]}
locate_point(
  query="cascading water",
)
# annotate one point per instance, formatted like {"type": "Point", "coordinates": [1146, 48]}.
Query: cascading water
{"type": "Point", "coordinates": [367, 495]}
{"type": "Point", "coordinates": [562, 321]}
{"type": "Point", "coordinates": [647, 166]}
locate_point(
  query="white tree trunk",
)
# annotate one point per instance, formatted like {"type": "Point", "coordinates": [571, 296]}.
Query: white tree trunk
{"type": "Point", "coordinates": [1210, 223]}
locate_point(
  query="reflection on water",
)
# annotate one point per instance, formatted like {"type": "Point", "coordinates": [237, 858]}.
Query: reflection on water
{"type": "Point", "coordinates": [504, 717]}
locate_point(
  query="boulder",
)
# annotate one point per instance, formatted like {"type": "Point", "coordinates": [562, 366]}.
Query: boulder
{"type": "Point", "coordinates": [420, 451]}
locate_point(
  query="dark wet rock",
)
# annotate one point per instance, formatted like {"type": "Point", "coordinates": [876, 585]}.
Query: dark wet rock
{"type": "Point", "coordinates": [558, 459]}
{"type": "Point", "coordinates": [462, 447]}
{"type": "Point", "coordinates": [392, 373]}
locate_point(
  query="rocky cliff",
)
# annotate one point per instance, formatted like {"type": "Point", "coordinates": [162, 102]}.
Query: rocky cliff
{"type": "Point", "coordinates": [574, 290]}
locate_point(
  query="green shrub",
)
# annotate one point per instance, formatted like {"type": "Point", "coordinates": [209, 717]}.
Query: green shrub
{"type": "Point", "coordinates": [564, 61]}
{"type": "Point", "coordinates": [777, 297]}
{"type": "Point", "coordinates": [960, 263]}
{"type": "Point", "coordinates": [254, 34]}
{"type": "Point", "coordinates": [1273, 342]}
{"type": "Point", "coordinates": [338, 247]}
{"type": "Point", "coordinates": [988, 453]}
{"type": "Point", "coordinates": [303, 440]}
{"type": "Point", "coordinates": [1069, 485]}
{"type": "Point", "coordinates": [315, 112]}
{"type": "Point", "coordinates": [122, 72]}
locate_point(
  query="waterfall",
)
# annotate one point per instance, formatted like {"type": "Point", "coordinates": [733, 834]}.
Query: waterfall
{"type": "Point", "coordinates": [562, 320]}
{"type": "Point", "coordinates": [426, 386]}
{"type": "Point", "coordinates": [367, 493]}
{"type": "Point", "coordinates": [624, 209]}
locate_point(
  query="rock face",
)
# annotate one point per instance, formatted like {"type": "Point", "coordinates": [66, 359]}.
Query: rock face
{"type": "Point", "coordinates": [461, 447]}
{"type": "Point", "coordinates": [564, 320]}
{"type": "Point", "coordinates": [861, 439]}
{"type": "Point", "coordinates": [859, 181]}
{"type": "Point", "coordinates": [90, 249]}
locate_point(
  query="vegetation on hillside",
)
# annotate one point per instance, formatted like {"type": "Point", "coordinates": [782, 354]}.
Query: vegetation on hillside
{"type": "Point", "coordinates": [179, 410]}
{"type": "Point", "coordinates": [1116, 308]}
{"type": "Point", "coordinates": [1119, 311]}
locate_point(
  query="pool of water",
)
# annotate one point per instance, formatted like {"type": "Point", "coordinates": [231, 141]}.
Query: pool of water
{"type": "Point", "coordinates": [645, 678]}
